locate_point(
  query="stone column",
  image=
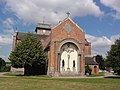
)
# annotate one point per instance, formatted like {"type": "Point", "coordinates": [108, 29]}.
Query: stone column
{"type": "Point", "coordinates": [57, 72]}
{"type": "Point", "coordinates": [58, 68]}
{"type": "Point", "coordinates": [79, 63]}
{"type": "Point", "coordinates": [82, 70]}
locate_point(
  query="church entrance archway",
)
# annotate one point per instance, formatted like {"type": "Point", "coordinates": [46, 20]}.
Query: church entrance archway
{"type": "Point", "coordinates": [69, 58]}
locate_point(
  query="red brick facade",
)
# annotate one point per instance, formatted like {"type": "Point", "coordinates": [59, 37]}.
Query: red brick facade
{"type": "Point", "coordinates": [60, 36]}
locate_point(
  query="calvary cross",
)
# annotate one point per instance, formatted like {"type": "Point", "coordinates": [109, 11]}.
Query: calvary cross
{"type": "Point", "coordinates": [69, 50]}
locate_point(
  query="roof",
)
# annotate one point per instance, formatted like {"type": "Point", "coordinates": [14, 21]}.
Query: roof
{"type": "Point", "coordinates": [21, 35]}
{"type": "Point", "coordinates": [86, 42]}
{"type": "Point", "coordinates": [47, 46]}
{"type": "Point", "coordinates": [68, 18]}
{"type": "Point", "coordinates": [90, 61]}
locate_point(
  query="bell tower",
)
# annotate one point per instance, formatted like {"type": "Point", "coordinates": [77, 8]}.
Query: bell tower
{"type": "Point", "coordinates": [43, 29]}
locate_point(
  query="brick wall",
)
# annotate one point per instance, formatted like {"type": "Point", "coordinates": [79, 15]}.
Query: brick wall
{"type": "Point", "coordinates": [59, 33]}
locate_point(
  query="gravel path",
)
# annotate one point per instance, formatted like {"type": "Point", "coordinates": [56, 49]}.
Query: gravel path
{"type": "Point", "coordinates": [107, 74]}
{"type": "Point", "coordinates": [2, 74]}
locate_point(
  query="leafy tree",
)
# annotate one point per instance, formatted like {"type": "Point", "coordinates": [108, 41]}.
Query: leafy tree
{"type": "Point", "coordinates": [113, 57]}
{"type": "Point", "coordinates": [100, 61]}
{"type": "Point", "coordinates": [2, 65]}
{"type": "Point", "coordinates": [28, 53]}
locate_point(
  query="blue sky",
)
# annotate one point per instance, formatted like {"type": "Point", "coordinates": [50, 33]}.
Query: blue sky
{"type": "Point", "coordinates": [100, 19]}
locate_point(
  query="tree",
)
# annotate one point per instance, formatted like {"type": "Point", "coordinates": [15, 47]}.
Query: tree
{"type": "Point", "coordinates": [2, 65]}
{"type": "Point", "coordinates": [113, 57]}
{"type": "Point", "coordinates": [28, 54]}
{"type": "Point", "coordinates": [100, 61]}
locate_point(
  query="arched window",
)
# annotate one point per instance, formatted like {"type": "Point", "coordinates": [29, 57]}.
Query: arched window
{"type": "Point", "coordinates": [73, 63]}
{"type": "Point", "coordinates": [63, 63]}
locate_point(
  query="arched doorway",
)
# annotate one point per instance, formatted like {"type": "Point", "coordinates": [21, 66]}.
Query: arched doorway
{"type": "Point", "coordinates": [95, 69]}
{"type": "Point", "coordinates": [69, 58]}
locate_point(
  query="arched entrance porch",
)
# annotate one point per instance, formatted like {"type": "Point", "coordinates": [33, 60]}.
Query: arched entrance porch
{"type": "Point", "coordinates": [69, 58]}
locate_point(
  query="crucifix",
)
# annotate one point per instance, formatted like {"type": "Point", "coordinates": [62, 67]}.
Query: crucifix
{"type": "Point", "coordinates": [68, 14]}
{"type": "Point", "coordinates": [69, 50]}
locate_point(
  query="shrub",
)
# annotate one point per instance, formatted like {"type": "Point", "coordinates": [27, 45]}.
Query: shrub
{"type": "Point", "coordinates": [88, 70]}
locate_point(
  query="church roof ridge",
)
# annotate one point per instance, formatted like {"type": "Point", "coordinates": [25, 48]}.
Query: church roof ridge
{"type": "Point", "coordinates": [20, 35]}
{"type": "Point", "coordinates": [71, 21]}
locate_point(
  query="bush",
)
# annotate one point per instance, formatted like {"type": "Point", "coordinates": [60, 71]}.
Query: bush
{"type": "Point", "coordinates": [2, 65]}
{"type": "Point", "coordinates": [88, 70]}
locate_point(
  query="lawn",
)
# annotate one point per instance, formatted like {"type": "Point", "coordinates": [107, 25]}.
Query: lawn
{"type": "Point", "coordinates": [45, 83]}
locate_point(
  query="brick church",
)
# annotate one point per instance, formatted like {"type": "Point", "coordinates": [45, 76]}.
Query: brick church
{"type": "Point", "coordinates": [67, 48]}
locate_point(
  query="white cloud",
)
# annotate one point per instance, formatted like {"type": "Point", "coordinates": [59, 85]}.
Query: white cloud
{"type": "Point", "coordinates": [114, 5]}
{"type": "Point", "coordinates": [52, 10]}
{"type": "Point", "coordinates": [114, 37]}
{"type": "Point", "coordinates": [8, 22]}
{"type": "Point", "coordinates": [8, 25]}
{"type": "Point", "coordinates": [5, 39]}
{"type": "Point", "coordinates": [6, 36]}
{"type": "Point", "coordinates": [100, 45]}
{"type": "Point", "coordinates": [0, 38]}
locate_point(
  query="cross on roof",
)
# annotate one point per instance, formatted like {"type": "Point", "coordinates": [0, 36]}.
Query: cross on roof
{"type": "Point", "coordinates": [68, 14]}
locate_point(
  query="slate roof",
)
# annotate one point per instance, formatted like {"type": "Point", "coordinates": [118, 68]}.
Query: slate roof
{"type": "Point", "coordinates": [46, 48]}
{"type": "Point", "coordinates": [90, 61]}
{"type": "Point", "coordinates": [21, 35]}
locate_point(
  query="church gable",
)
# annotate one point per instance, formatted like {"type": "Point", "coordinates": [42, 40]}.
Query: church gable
{"type": "Point", "coordinates": [67, 29]}
{"type": "Point", "coordinates": [67, 42]}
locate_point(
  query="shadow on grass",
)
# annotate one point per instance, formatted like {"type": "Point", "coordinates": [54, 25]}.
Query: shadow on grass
{"type": "Point", "coordinates": [114, 77]}
{"type": "Point", "coordinates": [22, 75]}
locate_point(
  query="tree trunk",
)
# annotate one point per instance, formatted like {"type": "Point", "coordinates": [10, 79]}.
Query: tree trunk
{"type": "Point", "coordinates": [27, 70]}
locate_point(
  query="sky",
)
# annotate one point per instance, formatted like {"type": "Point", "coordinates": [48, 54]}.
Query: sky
{"type": "Point", "coordinates": [100, 20]}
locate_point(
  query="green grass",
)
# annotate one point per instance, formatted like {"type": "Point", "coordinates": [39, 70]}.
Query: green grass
{"type": "Point", "coordinates": [45, 83]}
{"type": "Point", "coordinates": [95, 75]}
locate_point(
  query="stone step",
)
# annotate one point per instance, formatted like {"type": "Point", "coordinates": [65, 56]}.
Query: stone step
{"type": "Point", "coordinates": [70, 74]}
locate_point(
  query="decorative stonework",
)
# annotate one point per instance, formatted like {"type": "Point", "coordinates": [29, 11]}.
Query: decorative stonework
{"type": "Point", "coordinates": [68, 27]}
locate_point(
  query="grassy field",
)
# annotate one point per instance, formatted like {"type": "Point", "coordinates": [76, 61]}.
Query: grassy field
{"type": "Point", "coordinates": [45, 83]}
